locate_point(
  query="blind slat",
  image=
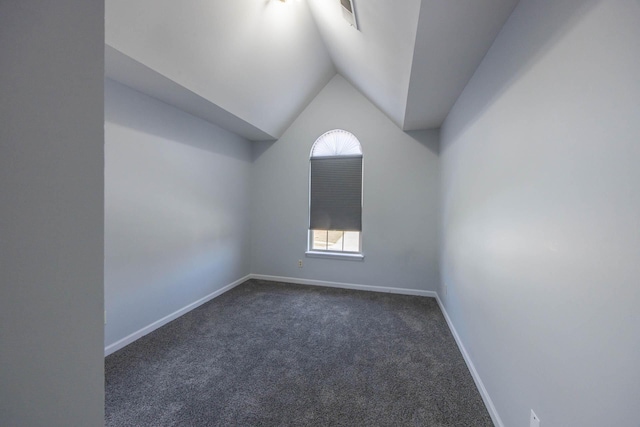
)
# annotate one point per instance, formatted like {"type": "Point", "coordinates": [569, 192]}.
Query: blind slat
{"type": "Point", "coordinates": [336, 193]}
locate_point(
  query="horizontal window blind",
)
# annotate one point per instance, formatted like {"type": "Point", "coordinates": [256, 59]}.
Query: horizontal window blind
{"type": "Point", "coordinates": [336, 193]}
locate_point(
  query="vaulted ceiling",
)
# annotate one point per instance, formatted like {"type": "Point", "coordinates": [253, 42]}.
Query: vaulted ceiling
{"type": "Point", "coordinates": [252, 66]}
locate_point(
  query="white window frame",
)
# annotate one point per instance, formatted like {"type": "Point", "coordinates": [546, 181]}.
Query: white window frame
{"type": "Point", "coordinates": [332, 254]}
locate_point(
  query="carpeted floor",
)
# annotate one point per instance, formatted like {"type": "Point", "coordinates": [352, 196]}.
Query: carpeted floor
{"type": "Point", "coordinates": [274, 354]}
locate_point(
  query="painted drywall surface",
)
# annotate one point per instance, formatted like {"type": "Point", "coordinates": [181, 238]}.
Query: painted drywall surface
{"type": "Point", "coordinates": [541, 208]}
{"type": "Point", "coordinates": [400, 195]}
{"type": "Point", "coordinates": [176, 210]}
{"type": "Point", "coordinates": [377, 58]}
{"type": "Point", "coordinates": [451, 40]}
{"type": "Point", "coordinates": [261, 60]}
{"type": "Point", "coordinates": [51, 213]}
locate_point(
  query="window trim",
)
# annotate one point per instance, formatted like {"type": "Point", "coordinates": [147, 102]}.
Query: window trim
{"type": "Point", "coordinates": [344, 256]}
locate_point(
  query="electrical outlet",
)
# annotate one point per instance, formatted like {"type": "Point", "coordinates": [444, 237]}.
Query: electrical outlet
{"type": "Point", "coordinates": [534, 421]}
{"type": "Point", "coordinates": [299, 263]}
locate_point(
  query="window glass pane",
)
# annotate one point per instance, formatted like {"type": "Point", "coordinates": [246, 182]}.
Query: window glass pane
{"type": "Point", "coordinates": [336, 142]}
{"type": "Point", "coordinates": [335, 240]}
{"type": "Point", "coordinates": [319, 240]}
{"type": "Point", "coordinates": [351, 241]}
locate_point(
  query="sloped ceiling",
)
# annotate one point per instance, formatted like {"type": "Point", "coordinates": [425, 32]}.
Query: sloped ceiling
{"type": "Point", "coordinates": [251, 66]}
{"type": "Point", "coordinates": [260, 60]}
{"type": "Point", "coordinates": [377, 58]}
{"type": "Point", "coordinates": [453, 37]}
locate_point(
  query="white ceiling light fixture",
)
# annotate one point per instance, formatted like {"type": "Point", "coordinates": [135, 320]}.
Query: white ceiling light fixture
{"type": "Point", "coordinates": [349, 13]}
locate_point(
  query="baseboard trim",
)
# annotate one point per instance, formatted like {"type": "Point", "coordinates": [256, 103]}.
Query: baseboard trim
{"type": "Point", "coordinates": [495, 417]}
{"type": "Point", "coordinates": [111, 348]}
{"type": "Point", "coordinates": [385, 289]}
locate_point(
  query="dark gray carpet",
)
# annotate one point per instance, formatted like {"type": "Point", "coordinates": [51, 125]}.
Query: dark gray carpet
{"type": "Point", "coordinates": [274, 354]}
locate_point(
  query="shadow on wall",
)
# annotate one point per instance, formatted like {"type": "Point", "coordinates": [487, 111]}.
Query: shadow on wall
{"type": "Point", "coordinates": [426, 138]}
{"type": "Point", "coordinates": [520, 58]}
{"type": "Point", "coordinates": [123, 107]}
{"type": "Point", "coordinates": [258, 148]}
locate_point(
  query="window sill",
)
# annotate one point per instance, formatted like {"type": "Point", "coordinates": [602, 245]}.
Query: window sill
{"type": "Point", "coordinates": [335, 255]}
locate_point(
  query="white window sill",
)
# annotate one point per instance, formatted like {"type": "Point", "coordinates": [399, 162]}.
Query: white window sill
{"type": "Point", "coordinates": [335, 255]}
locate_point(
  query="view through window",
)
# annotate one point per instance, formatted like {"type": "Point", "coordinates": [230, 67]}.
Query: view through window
{"type": "Point", "coordinates": [335, 240]}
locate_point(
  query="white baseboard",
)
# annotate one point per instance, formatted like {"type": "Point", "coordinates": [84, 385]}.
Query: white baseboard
{"type": "Point", "coordinates": [497, 421]}
{"type": "Point", "coordinates": [389, 290]}
{"type": "Point", "coordinates": [111, 348]}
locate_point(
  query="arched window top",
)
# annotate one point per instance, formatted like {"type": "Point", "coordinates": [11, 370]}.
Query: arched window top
{"type": "Point", "coordinates": [336, 142]}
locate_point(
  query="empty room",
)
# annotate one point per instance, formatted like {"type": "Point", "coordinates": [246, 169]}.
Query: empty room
{"type": "Point", "coordinates": [320, 213]}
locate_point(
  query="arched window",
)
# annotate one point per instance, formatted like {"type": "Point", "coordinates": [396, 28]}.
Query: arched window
{"type": "Point", "coordinates": [335, 194]}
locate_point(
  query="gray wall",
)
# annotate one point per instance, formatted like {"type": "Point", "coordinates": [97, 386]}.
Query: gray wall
{"type": "Point", "coordinates": [400, 195]}
{"type": "Point", "coordinates": [540, 211]}
{"type": "Point", "coordinates": [51, 213]}
{"type": "Point", "coordinates": [176, 210]}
